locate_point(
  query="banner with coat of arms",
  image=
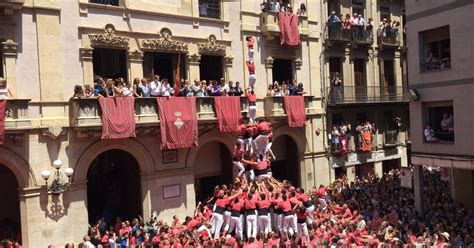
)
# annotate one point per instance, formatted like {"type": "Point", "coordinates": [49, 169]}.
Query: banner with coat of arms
{"type": "Point", "coordinates": [178, 122]}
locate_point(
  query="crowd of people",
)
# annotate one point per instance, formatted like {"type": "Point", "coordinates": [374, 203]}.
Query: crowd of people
{"type": "Point", "coordinates": [280, 6]}
{"type": "Point", "coordinates": [369, 212]}
{"type": "Point", "coordinates": [353, 27]}
{"type": "Point", "coordinates": [342, 132]}
{"type": "Point", "coordinates": [286, 88]}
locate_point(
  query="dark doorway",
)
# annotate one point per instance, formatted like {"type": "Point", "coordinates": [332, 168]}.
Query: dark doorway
{"type": "Point", "coordinates": [212, 167]}
{"type": "Point", "coordinates": [335, 66]}
{"type": "Point", "coordinates": [211, 68]}
{"type": "Point", "coordinates": [363, 170]}
{"type": "Point", "coordinates": [10, 223]}
{"type": "Point", "coordinates": [113, 187]}
{"type": "Point", "coordinates": [286, 165]}
{"type": "Point", "coordinates": [340, 172]}
{"type": "Point", "coordinates": [389, 165]}
{"type": "Point", "coordinates": [164, 65]}
{"type": "Point", "coordinates": [360, 80]}
{"type": "Point", "coordinates": [110, 63]}
{"type": "Point", "coordinates": [282, 70]}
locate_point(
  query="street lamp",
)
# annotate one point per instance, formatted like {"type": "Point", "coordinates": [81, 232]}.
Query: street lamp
{"type": "Point", "coordinates": [59, 184]}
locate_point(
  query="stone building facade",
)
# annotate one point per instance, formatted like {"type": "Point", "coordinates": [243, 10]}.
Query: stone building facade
{"type": "Point", "coordinates": [48, 46]}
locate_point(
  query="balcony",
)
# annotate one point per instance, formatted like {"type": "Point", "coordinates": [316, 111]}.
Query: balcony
{"type": "Point", "coordinates": [105, 2]}
{"type": "Point", "coordinates": [274, 106]}
{"type": "Point", "coordinates": [389, 39]}
{"type": "Point", "coordinates": [366, 94]}
{"type": "Point", "coordinates": [336, 33]}
{"type": "Point", "coordinates": [269, 24]}
{"type": "Point", "coordinates": [353, 145]}
{"type": "Point", "coordinates": [16, 114]}
{"type": "Point", "coordinates": [87, 113]}
{"type": "Point", "coordinates": [210, 9]}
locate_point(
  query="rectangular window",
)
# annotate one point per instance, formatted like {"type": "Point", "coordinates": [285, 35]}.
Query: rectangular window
{"type": "Point", "coordinates": [358, 7]}
{"type": "Point", "coordinates": [106, 2]}
{"type": "Point", "coordinates": [439, 122]}
{"type": "Point", "coordinates": [210, 9]}
{"type": "Point", "coordinates": [435, 49]}
{"type": "Point", "coordinates": [385, 13]}
{"type": "Point", "coordinates": [109, 63]}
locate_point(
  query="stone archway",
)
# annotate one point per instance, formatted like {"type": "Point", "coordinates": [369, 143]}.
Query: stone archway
{"type": "Point", "coordinates": [20, 168]}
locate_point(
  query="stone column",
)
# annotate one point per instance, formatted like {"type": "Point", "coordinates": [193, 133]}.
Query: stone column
{"type": "Point", "coordinates": [228, 60]}
{"type": "Point", "coordinates": [135, 60]}
{"type": "Point", "coordinates": [378, 168]}
{"type": "Point", "coordinates": [348, 75]}
{"type": "Point", "coordinates": [398, 73]}
{"type": "Point", "coordinates": [418, 187]}
{"type": "Point", "coordinates": [269, 70]}
{"type": "Point", "coordinates": [297, 70]}
{"type": "Point", "coordinates": [192, 66]}
{"type": "Point", "coordinates": [10, 55]}
{"type": "Point", "coordinates": [87, 66]}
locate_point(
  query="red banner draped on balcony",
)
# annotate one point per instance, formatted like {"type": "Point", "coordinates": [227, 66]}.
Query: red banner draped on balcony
{"type": "Point", "coordinates": [295, 110]}
{"type": "Point", "coordinates": [366, 142]}
{"type": "Point", "coordinates": [118, 117]}
{"type": "Point", "coordinates": [178, 122]}
{"type": "Point", "coordinates": [289, 32]}
{"type": "Point", "coordinates": [3, 106]}
{"type": "Point", "coordinates": [228, 113]}
{"type": "Point", "coordinates": [344, 145]}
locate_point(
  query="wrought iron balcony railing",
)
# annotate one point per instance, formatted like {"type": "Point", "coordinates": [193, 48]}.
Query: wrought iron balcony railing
{"type": "Point", "coordinates": [105, 2]}
{"type": "Point", "coordinates": [210, 9]}
{"type": "Point", "coordinates": [366, 94]}
{"type": "Point", "coordinates": [389, 37]}
{"type": "Point", "coordinates": [391, 138]}
{"type": "Point", "coordinates": [335, 32]}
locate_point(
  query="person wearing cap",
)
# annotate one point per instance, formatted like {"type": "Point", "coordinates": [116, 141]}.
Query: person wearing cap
{"type": "Point", "coordinates": [332, 22]}
{"type": "Point", "coordinates": [442, 240]}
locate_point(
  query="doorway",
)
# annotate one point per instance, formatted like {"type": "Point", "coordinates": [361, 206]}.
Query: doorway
{"type": "Point", "coordinates": [165, 65]}
{"type": "Point", "coordinates": [388, 77]}
{"type": "Point", "coordinates": [286, 165]}
{"type": "Point", "coordinates": [211, 67]}
{"type": "Point", "coordinates": [212, 167]}
{"type": "Point", "coordinates": [113, 187]}
{"type": "Point", "coordinates": [364, 170]}
{"type": "Point", "coordinates": [10, 222]}
{"type": "Point", "coordinates": [282, 70]}
{"type": "Point", "coordinates": [360, 80]}
{"type": "Point", "coordinates": [109, 63]}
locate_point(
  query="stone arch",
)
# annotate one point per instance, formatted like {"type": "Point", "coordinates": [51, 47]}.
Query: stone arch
{"type": "Point", "coordinates": [296, 134]}
{"type": "Point", "coordinates": [132, 146]}
{"type": "Point", "coordinates": [20, 168]}
{"type": "Point", "coordinates": [225, 138]}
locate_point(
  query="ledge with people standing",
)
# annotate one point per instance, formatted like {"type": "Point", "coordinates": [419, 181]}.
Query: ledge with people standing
{"type": "Point", "coordinates": [345, 140]}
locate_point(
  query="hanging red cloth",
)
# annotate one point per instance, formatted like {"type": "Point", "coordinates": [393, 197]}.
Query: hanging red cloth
{"type": "Point", "coordinates": [344, 145]}
{"type": "Point", "coordinates": [3, 107]}
{"type": "Point", "coordinates": [295, 110]}
{"type": "Point", "coordinates": [366, 141]}
{"type": "Point", "coordinates": [178, 122]}
{"type": "Point", "coordinates": [177, 77]}
{"type": "Point", "coordinates": [289, 32]}
{"type": "Point", "coordinates": [118, 117]}
{"type": "Point", "coordinates": [228, 113]}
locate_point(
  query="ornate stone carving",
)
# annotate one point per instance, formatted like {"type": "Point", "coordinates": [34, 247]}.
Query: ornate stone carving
{"type": "Point", "coordinates": [10, 48]}
{"type": "Point", "coordinates": [298, 63]}
{"type": "Point", "coordinates": [135, 56]}
{"type": "Point", "coordinates": [211, 47]}
{"type": "Point", "coordinates": [53, 131]}
{"type": "Point", "coordinates": [165, 43]}
{"type": "Point", "coordinates": [86, 53]}
{"type": "Point", "coordinates": [228, 60]}
{"type": "Point", "coordinates": [194, 59]}
{"type": "Point", "coordinates": [269, 62]}
{"type": "Point", "coordinates": [109, 38]}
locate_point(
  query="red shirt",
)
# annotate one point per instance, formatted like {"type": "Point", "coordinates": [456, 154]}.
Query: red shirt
{"type": "Point", "coordinates": [262, 165]}
{"type": "Point", "coordinates": [285, 206]}
{"type": "Point", "coordinates": [250, 203]}
{"type": "Point", "coordinates": [252, 98]}
{"type": "Point", "coordinates": [251, 68]}
{"type": "Point", "coordinates": [264, 126]}
{"type": "Point", "coordinates": [241, 130]}
{"type": "Point", "coordinates": [192, 223]}
{"type": "Point", "coordinates": [321, 192]}
{"type": "Point", "coordinates": [301, 216]}
{"type": "Point", "coordinates": [250, 43]}
{"type": "Point", "coordinates": [347, 213]}
{"type": "Point", "coordinates": [294, 201]}
{"type": "Point", "coordinates": [222, 203]}
{"type": "Point", "coordinates": [263, 204]}
{"type": "Point", "coordinates": [236, 206]}
{"type": "Point", "coordinates": [302, 197]}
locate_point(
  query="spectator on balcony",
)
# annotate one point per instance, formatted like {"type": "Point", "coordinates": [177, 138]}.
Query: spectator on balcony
{"type": "Point", "coordinates": [270, 91]}
{"type": "Point", "coordinates": [78, 92]}
{"type": "Point", "coordinates": [429, 134]}
{"type": "Point", "coordinates": [370, 27]}
{"type": "Point", "coordinates": [136, 87]}
{"type": "Point", "coordinates": [346, 27]}
{"type": "Point", "coordinates": [277, 89]}
{"type": "Point", "coordinates": [224, 88]}
{"type": "Point", "coordinates": [447, 123]}
{"type": "Point", "coordinates": [360, 23]}
{"type": "Point", "coordinates": [99, 86]}
{"type": "Point", "coordinates": [88, 92]}
{"type": "Point", "coordinates": [302, 10]}
{"type": "Point", "coordinates": [203, 7]}
{"type": "Point", "coordinates": [285, 90]}
{"type": "Point", "coordinates": [299, 90]}
{"type": "Point", "coordinates": [336, 84]}
{"type": "Point", "coordinates": [335, 137]}
{"type": "Point", "coordinates": [266, 5]}
{"type": "Point", "coordinates": [215, 89]}
{"type": "Point", "coordinates": [155, 86]}
{"type": "Point", "coordinates": [127, 91]}
{"type": "Point", "coordinates": [144, 88]}
{"type": "Point", "coordinates": [165, 89]}
{"type": "Point", "coordinates": [332, 22]}
{"type": "Point", "coordinates": [237, 90]}
{"type": "Point", "coordinates": [4, 91]}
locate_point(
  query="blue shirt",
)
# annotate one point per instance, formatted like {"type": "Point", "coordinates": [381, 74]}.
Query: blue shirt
{"type": "Point", "coordinates": [145, 90]}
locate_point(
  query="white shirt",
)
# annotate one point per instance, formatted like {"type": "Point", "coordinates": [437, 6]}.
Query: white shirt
{"type": "Point", "coordinates": [225, 90]}
{"type": "Point", "coordinates": [4, 93]}
{"type": "Point", "coordinates": [429, 135]}
{"type": "Point", "coordinates": [112, 243]}
{"type": "Point", "coordinates": [203, 9]}
{"type": "Point", "coordinates": [165, 90]}
{"type": "Point", "coordinates": [155, 88]}
{"type": "Point", "coordinates": [126, 91]}
{"type": "Point", "coordinates": [88, 244]}
{"type": "Point", "coordinates": [360, 21]}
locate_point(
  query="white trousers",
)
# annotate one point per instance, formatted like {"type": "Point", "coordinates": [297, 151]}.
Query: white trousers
{"type": "Point", "coordinates": [323, 203]}
{"type": "Point", "coordinates": [251, 52]}
{"type": "Point", "coordinates": [217, 221]}
{"type": "Point", "coordinates": [252, 113]}
{"type": "Point", "coordinates": [226, 223]}
{"type": "Point", "coordinates": [309, 211]}
{"type": "Point", "coordinates": [289, 224]}
{"type": "Point", "coordinates": [236, 224]}
{"type": "Point", "coordinates": [264, 224]}
{"type": "Point", "coordinates": [280, 224]}
{"type": "Point", "coordinates": [251, 221]}
{"type": "Point", "coordinates": [302, 231]}
{"type": "Point", "coordinates": [202, 229]}
{"type": "Point", "coordinates": [269, 150]}
{"type": "Point", "coordinates": [252, 80]}
{"type": "Point", "coordinates": [240, 167]}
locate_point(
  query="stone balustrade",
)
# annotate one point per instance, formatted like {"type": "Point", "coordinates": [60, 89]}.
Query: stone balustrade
{"type": "Point", "coordinates": [274, 106]}
{"type": "Point", "coordinates": [269, 24]}
{"type": "Point", "coordinates": [16, 114]}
